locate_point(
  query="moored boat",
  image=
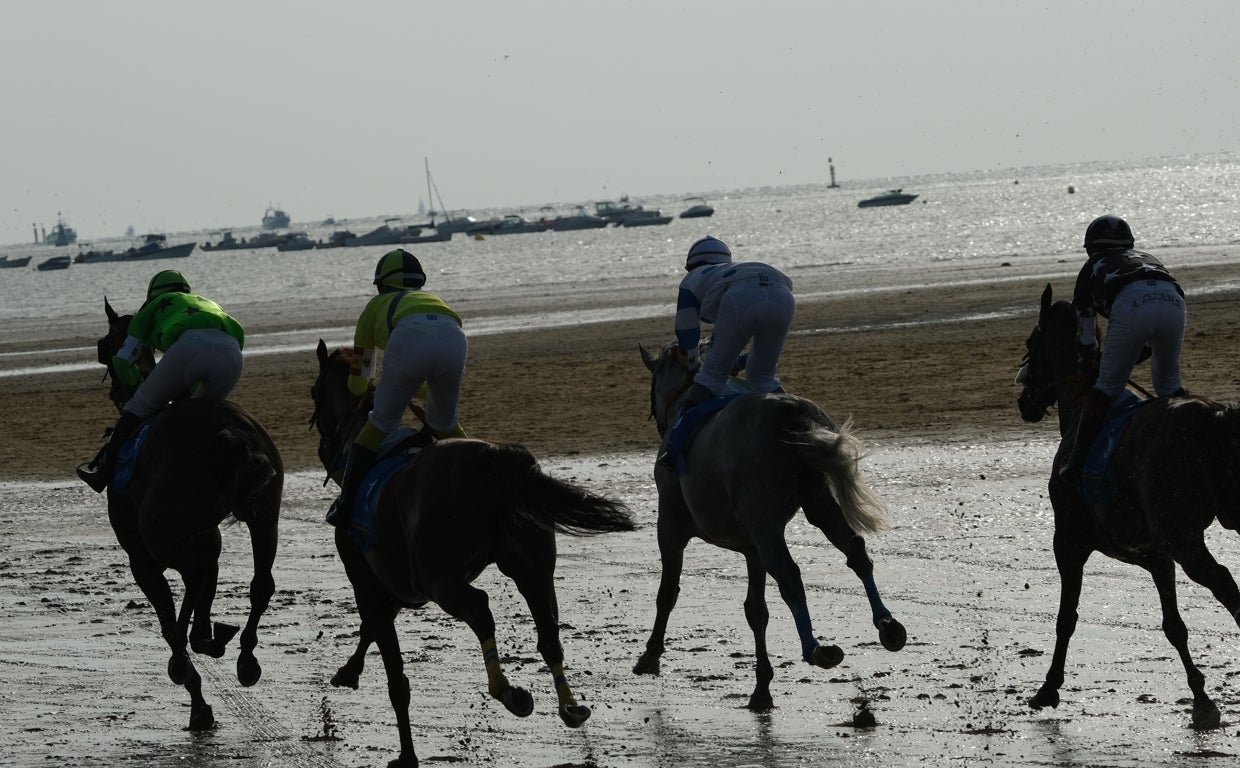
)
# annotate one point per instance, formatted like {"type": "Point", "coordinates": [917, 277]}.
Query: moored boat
{"type": "Point", "coordinates": [698, 208]}
{"type": "Point", "coordinates": [55, 262]}
{"type": "Point", "coordinates": [61, 234]}
{"type": "Point", "coordinates": [156, 246]}
{"type": "Point", "coordinates": [297, 241]}
{"type": "Point", "coordinates": [20, 261]}
{"type": "Point", "coordinates": [579, 219]}
{"type": "Point", "coordinates": [645, 218]}
{"type": "Point", "coordinates": [274, 218]}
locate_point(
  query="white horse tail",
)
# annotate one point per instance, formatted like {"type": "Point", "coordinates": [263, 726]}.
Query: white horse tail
{"type": "Point", "coordinates": [837, 453]}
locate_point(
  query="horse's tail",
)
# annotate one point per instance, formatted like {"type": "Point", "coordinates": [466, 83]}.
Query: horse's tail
{"type": "Point", "coordinates": [1229, 508]}
{"type": "Point", "coordinates": [837, 452]}
{"type": "Point", "coordinates": [553, 504]}
{"type": "Point", "coordinates": [247, 472]}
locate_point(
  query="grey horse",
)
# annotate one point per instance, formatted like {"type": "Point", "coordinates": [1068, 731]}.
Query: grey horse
{"type": "Point", "coordinates": [750, 468]}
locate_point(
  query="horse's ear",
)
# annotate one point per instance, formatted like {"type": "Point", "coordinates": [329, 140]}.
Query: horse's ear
{"type": "Point", "coordinates": [647, 358]}
{"type": "Point", "coordinates": [322, 353]}
{"type": "Point", "coordinates": [108, 308]}
{"type": "Point", "coordinates": [1046, 300]}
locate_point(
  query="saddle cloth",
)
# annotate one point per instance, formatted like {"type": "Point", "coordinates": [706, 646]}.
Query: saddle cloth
{"type": "Point", "coordinates": [394, 455]}
{"type": "Point", "coordinates": [127, 460]}
{"type": "Point", "coordinates": [688, 423]}
{"type": "Point", "coordinates": [1097, 480]}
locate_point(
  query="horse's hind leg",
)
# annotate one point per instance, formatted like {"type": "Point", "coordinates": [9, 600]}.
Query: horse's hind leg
{"type": "Point", "coordinates": [470, 605]}
{"type": "Point", "coordinates": [672, 543]}
{"type": "Point", "coordinates": [1200, 566]}
{"type": "Point", "coordinates": [262, 587]}
{"type": "Point", "coordinates": [758, 616]}
{"type": "Point", "coordinates": [1205, 713]}
{"type": "Point", "coordinates": [824, 512]}
{"type": "Point", "coordinates": [533, 571]}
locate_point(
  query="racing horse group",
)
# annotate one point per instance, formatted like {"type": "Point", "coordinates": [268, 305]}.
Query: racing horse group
{"type": "Point", "coordinates": [460, 505]}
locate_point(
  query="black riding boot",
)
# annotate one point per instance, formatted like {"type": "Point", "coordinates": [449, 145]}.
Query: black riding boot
{"type": "Point", "coordinates": [98, 472]}
{"type": "Point", "coordinates": [1093, 414]}
{"type": "Point", "coordinates": [361, 461]}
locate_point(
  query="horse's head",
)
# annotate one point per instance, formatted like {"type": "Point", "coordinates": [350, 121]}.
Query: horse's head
{"type": "Point", "coordinates": [338, 413]}
{"type": "Point", "coordinates": [110, 344]}
{"type": "Point", "coordinates": [1050, 360]}
{"type": "Point", "coordinates": [669, 381]}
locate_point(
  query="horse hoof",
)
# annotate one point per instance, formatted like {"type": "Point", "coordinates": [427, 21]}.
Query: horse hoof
{"type": "Point", "coordinates": [761, 702]}
{"type": "Point", "coordinates": [648, 664]}
{"type": "Point", "coordinates": [891, 634]}
{"type": "Point", "coordinates": [178, 668]}
{"type": "Point", "coordinates": [1206, 716]}
{"type": "Point", "coordinates": [201, 718]}
{"type": "Point", "coordinates": [346, 678]}
{"type": "Point", "coordinates": [574, 715]}
{"type": "Point", "coordinates": [826, 656]}
{"type": "Point", "coordinates": [248, 669]}
{"type": "Point", "coordinates": [1045, 698]}
{"type": "Point", "coordinates": [518, 701]}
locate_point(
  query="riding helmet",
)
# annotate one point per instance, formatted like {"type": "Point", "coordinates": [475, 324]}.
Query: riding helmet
{"type": "Point", "coordinates": [168, 281]}
{"type": "Point", "coordinates": [1106, 232]}
{"type": "Point", "coordinates": [708, 250]}
{"type": "Point", "coordinates": [399, 269]}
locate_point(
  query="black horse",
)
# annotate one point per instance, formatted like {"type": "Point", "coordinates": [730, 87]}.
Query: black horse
{"type": "Point", "coordinates": [202, 462]}
{"type": "Point", "coordinates": [1175, 469]}
{"type": "Point", "coordinates": [457, 507]}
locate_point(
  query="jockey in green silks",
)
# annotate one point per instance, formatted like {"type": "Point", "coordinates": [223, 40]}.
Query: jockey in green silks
{"type": "Point", "coordinates": [424, 350]}
{"type": "Point", "coordinates": [201, 346]}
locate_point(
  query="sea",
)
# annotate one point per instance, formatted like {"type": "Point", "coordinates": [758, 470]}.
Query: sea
{"type": "Point", "coordinates": [962, 227]}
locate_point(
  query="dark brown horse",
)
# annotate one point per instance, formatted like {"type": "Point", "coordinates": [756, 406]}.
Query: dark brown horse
{"type": "Point", "coordinates": [456, 508]}
{"type": "Point", "coordinates": [750, 469]}
{"type": "Point", "coordinates": [203, 462]}
{"type": "Point", "coordinates": [1176, 470]}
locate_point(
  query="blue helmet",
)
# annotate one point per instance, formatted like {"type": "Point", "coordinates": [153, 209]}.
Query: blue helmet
{"type": "Point", "coordinates": [1107, 232]}
{"type": "Point", "coordinates": [399, 269]}
{"type": "Point", "coordinates": [708, 250]}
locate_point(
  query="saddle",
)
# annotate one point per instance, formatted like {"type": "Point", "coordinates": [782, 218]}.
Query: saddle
{"type": "Point", "coordinates": [1098, 484]}
{"type": "Point", "coordinates": [689, 423]}
{"type": "Point", "coordinates": [395, 452]}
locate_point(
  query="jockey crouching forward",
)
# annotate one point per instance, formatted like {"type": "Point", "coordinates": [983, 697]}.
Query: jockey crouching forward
{"type": "Point", "coordinates": [423, 345]}
{"type": "Point", "coordinates": [745, 301]}
{"type": "Point", "coordinates": [201, 347]}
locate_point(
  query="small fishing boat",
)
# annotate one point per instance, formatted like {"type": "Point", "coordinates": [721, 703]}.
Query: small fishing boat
{"type": "Point", "coordinates": [55, 262]}
{"type": "Point", "coordinates": [890, 197]}
{"type": "Point", "coordinates": [20, 261]}
{"type": "Point", "coordinates": [698, 208]}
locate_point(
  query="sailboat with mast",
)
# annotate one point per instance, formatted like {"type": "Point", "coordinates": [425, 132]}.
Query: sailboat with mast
{"type": "Point", "coordinates": [448, 225]}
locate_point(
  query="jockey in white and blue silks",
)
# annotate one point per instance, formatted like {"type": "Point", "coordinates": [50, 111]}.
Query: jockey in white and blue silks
{"type": "Point", "coordinates": [744, 301]}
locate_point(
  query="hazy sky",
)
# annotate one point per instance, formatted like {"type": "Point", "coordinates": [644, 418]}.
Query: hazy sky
{"type": "Point", "coordinates": [170, 115]}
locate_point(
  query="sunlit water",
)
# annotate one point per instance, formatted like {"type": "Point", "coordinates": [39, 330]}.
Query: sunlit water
{"type": "Point", "coordinates": [961, 224]}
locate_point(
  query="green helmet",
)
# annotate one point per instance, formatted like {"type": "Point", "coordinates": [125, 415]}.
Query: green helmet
{"type": "Point", "coordinates": [168, 281]}
{"type": "Point", "coordinates": [399, 269]}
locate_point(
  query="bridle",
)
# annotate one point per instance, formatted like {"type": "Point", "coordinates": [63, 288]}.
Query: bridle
{"type": "Point", "coordinates": [334, 442]}
{"type": "Point", "coordinates": [670, 403]}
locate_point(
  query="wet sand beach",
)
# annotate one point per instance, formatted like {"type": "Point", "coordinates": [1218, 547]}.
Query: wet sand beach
{"type": "Point", "coordinates": [926, 376]}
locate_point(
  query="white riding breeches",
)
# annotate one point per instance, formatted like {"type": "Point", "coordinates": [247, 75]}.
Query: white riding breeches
{"type": "Point", "coordinates": [206, 362]}
{"type": "Point", "coordinates": [1145, 312]}
{"type": "Point", "coordinates": [749, 310]}
{"type": "Point", "coordinates": [421, 350]}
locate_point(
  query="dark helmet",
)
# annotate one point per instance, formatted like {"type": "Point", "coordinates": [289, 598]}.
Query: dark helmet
{"type": "Point", "coordinates": [1106, 232]}
{"type": "Point", "coordinates": [399, 269]}
{"type": "Point", "coordinates": [168, 281]}
{"type": "Point", "coordinates": [708, 250]}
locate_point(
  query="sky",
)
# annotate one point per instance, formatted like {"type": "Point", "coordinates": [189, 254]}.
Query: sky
{"type": "Point", "coordinates": [172, 116]}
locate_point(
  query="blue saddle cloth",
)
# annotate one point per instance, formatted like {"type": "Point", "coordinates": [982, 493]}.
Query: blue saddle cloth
{"type": "Point", "coordinates": [365, 504]}
{"type": "Point", "coordinates": [686, 427]}
{"type": "Point", "coordinates": [1097, 480]}
{"type": "Point", "coordinates": [127, 460]}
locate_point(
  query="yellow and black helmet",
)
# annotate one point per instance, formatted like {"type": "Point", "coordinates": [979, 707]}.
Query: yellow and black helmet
{"type": "Point", "coordinates": [168, 281]}
{"type": "Point", "coordinates": [399, 269]}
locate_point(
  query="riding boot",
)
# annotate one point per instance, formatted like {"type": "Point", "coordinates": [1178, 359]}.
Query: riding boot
{"type": "Point", "coordinates": [696, 395]}
{"type": "Point", "coordinates": [98, 472]}
{"type": "Point", "coordinates": [361, 461]}
{"type": "Point", "coordinates": [1093, 414]}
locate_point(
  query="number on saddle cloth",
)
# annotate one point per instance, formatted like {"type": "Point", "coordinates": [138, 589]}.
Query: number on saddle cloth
{"type": "Point", "coordinates": [1097, 481]}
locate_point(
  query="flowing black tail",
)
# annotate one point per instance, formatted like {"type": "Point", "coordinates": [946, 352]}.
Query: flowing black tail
{"type": "Point", "coordinates": [554, 504]}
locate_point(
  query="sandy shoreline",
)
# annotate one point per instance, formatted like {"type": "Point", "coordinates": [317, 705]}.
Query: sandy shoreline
{"type": "Point", "coordinates": [935, 363]}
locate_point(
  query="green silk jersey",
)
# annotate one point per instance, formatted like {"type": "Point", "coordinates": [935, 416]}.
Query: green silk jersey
{"type": "Point", "coordinates": [162, 320]}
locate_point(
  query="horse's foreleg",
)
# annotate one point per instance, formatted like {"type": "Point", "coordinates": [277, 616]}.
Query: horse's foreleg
{"type": "Point", "coordinates": [350, 673]}
{"type": "Point", "coordinates": [758, 616]}
{"type": "Point", "coordinates": [1205, 713]}
{"type": "Point", "coordinates": [469, 604]}
{"type": "Point", "coordinates": [377, 620]}
{"type": "Point", "coordinates": [262, 587]}
{"type": "Point", "coordinates": [1070, 560]}
{"type": "Point", "coordinates": [825, 513]}
{"type": "Point", "coordinates": [672, 556]}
